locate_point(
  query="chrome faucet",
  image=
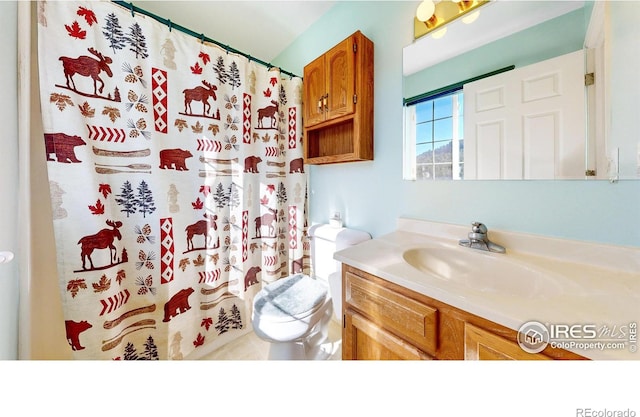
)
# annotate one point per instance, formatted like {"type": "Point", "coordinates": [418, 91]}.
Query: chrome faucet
{"type": "Point", "coordinates": [478, 239]}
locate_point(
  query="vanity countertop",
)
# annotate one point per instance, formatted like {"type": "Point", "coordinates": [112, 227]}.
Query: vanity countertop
{"type": "Point", "coordinates": [594, 284]}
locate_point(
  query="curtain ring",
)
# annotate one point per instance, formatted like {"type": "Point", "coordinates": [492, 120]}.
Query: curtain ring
{"type": "Point", "coordinates": [169, 24]}
{"type": "Point", "coordinates": [131, 7]}
{"type": "Point", "coordinates": [202, 38]}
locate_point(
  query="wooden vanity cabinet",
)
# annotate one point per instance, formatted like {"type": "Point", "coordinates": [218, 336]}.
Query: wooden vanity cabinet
{"type": "Point", "coordinates": [385, 321]}
{"type": "Point", "coordinates": [338, 103]}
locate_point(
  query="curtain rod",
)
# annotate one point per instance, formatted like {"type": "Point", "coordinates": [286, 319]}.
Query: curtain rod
{"type": "Point", "coordinates": [171, 25]}
{"type": "Point", "coordinates": [450, 88]}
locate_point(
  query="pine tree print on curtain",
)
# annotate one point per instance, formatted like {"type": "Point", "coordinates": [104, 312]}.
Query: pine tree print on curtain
{"type": "Point", "coordinates": [176, 178]}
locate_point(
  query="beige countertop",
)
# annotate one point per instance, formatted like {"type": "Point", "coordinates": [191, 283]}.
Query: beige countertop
{"type": "Point", "coordinates": [593, 287]}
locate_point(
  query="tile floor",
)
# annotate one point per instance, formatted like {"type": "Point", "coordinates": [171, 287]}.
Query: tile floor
{"type": "Point", "coordinates": [251, 347]}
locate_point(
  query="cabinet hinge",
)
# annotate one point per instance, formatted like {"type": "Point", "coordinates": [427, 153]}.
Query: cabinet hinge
{"type": "Point", "coordinates": [355, 48]}
{"type": "Point", "coordinates": [355, 98]}
{"type": "Point", "coordinates": [589, 79]}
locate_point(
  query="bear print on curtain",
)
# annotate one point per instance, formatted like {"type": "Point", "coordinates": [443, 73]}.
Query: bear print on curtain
{"type": "Point", "coordinates": [176, 177]}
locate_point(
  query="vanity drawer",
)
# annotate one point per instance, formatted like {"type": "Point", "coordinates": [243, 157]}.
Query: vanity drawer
{"type": "Point", "coordinates": [395, 312]}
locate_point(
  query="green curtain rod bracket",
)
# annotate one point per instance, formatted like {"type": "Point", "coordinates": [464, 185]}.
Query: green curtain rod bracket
{"type": "Point", "coordinates": [130, 5]}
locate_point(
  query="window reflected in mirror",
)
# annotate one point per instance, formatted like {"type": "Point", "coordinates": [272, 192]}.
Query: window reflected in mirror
{"type": "Point", "coordinates": [435, 137]}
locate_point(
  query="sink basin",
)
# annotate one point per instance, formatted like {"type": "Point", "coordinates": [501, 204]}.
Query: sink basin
{"type": "Point", "coordinates": [484, 271]}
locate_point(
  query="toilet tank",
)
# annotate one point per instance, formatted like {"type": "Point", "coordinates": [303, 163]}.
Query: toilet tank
{"type": "Point", "coordinates": [325, 241]}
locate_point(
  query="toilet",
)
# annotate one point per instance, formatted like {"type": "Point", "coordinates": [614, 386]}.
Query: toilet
{"type": "Point", "coordinates": [293, 313]}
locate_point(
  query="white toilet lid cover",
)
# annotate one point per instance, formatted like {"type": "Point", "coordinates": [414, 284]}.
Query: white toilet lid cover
{"type": "Point", "coordinates": [292, 297]}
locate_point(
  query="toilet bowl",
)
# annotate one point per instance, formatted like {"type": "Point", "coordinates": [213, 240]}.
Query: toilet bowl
{"type": "Point", "coordinates": [335, 288]}
{"type": "Point", "coordinates": [293, 313]}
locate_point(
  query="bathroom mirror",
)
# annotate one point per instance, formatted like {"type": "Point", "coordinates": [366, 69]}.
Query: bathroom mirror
{"type": "Point", "coordinates": [507, 37]}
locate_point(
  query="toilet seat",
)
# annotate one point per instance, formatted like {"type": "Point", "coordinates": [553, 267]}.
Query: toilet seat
{"type": "Point", "coordinates": [293, 313]}
{"type": "Point", "coordinates": [290, 299]}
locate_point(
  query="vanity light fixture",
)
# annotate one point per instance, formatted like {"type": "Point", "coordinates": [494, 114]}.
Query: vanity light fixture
{"type": "Point", "coordinates": [431, 15]}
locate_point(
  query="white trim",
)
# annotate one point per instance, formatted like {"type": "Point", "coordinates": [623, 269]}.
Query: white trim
{"type": "Point", "coordinates": [598, 101]}
{"type": "Point", "coordinates": [409, 135]}
{"type": "Point", "coordinates": [24, 158]}
{"type": "Point", "coordinates": [595, 31]}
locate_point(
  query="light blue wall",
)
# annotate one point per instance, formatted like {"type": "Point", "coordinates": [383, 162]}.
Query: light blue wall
{"type": "Point", "coordinates": [369, 195]}
{"type": "Point", "coordinates": [372, 195]}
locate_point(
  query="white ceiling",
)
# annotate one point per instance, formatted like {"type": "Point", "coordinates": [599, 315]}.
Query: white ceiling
{"type": "Point", "coordinates": [262, 29]}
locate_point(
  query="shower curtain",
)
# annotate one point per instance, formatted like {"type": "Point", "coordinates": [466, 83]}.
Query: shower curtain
{"type": "Point", "coordinates": [176, 182]}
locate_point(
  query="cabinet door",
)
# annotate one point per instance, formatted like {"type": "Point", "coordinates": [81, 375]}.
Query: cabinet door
{"type": "Point", "coordinates": [481, 344]}
{"type": "Point", "coordinates": [314, 92]}
{"type": "Point", "coordinates": [363, 340]}
{"type": "Point", "coordinates": [340, 79]}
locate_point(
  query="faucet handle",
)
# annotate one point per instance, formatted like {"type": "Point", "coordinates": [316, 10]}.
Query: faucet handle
{"type": "Point", "coordinates": [478, 227]}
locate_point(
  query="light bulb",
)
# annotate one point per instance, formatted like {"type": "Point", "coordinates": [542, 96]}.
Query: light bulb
{"type": "Point", "coordinates": [439, 33]}
{"type": "Point", "coordinates": [425, 10]}
{"type": "Point", "coordinates": [470, 18]}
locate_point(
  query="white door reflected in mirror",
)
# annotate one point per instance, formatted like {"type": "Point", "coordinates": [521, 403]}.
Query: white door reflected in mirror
{"type": "Point", "coordinates": [528, 123]}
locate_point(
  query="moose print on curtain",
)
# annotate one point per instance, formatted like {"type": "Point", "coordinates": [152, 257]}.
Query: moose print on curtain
{"type": "Point", "coordinates": [176, 178]}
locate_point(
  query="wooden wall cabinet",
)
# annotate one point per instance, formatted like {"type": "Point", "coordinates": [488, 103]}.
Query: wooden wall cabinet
{"type": "Point", "coordinates": [338, 103]}
{"type": "Point", "coordinates": [382, 320]}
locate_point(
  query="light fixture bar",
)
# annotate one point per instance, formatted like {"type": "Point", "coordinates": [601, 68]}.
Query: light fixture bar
{"type": "Point", "coordinates": [446, 11]}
